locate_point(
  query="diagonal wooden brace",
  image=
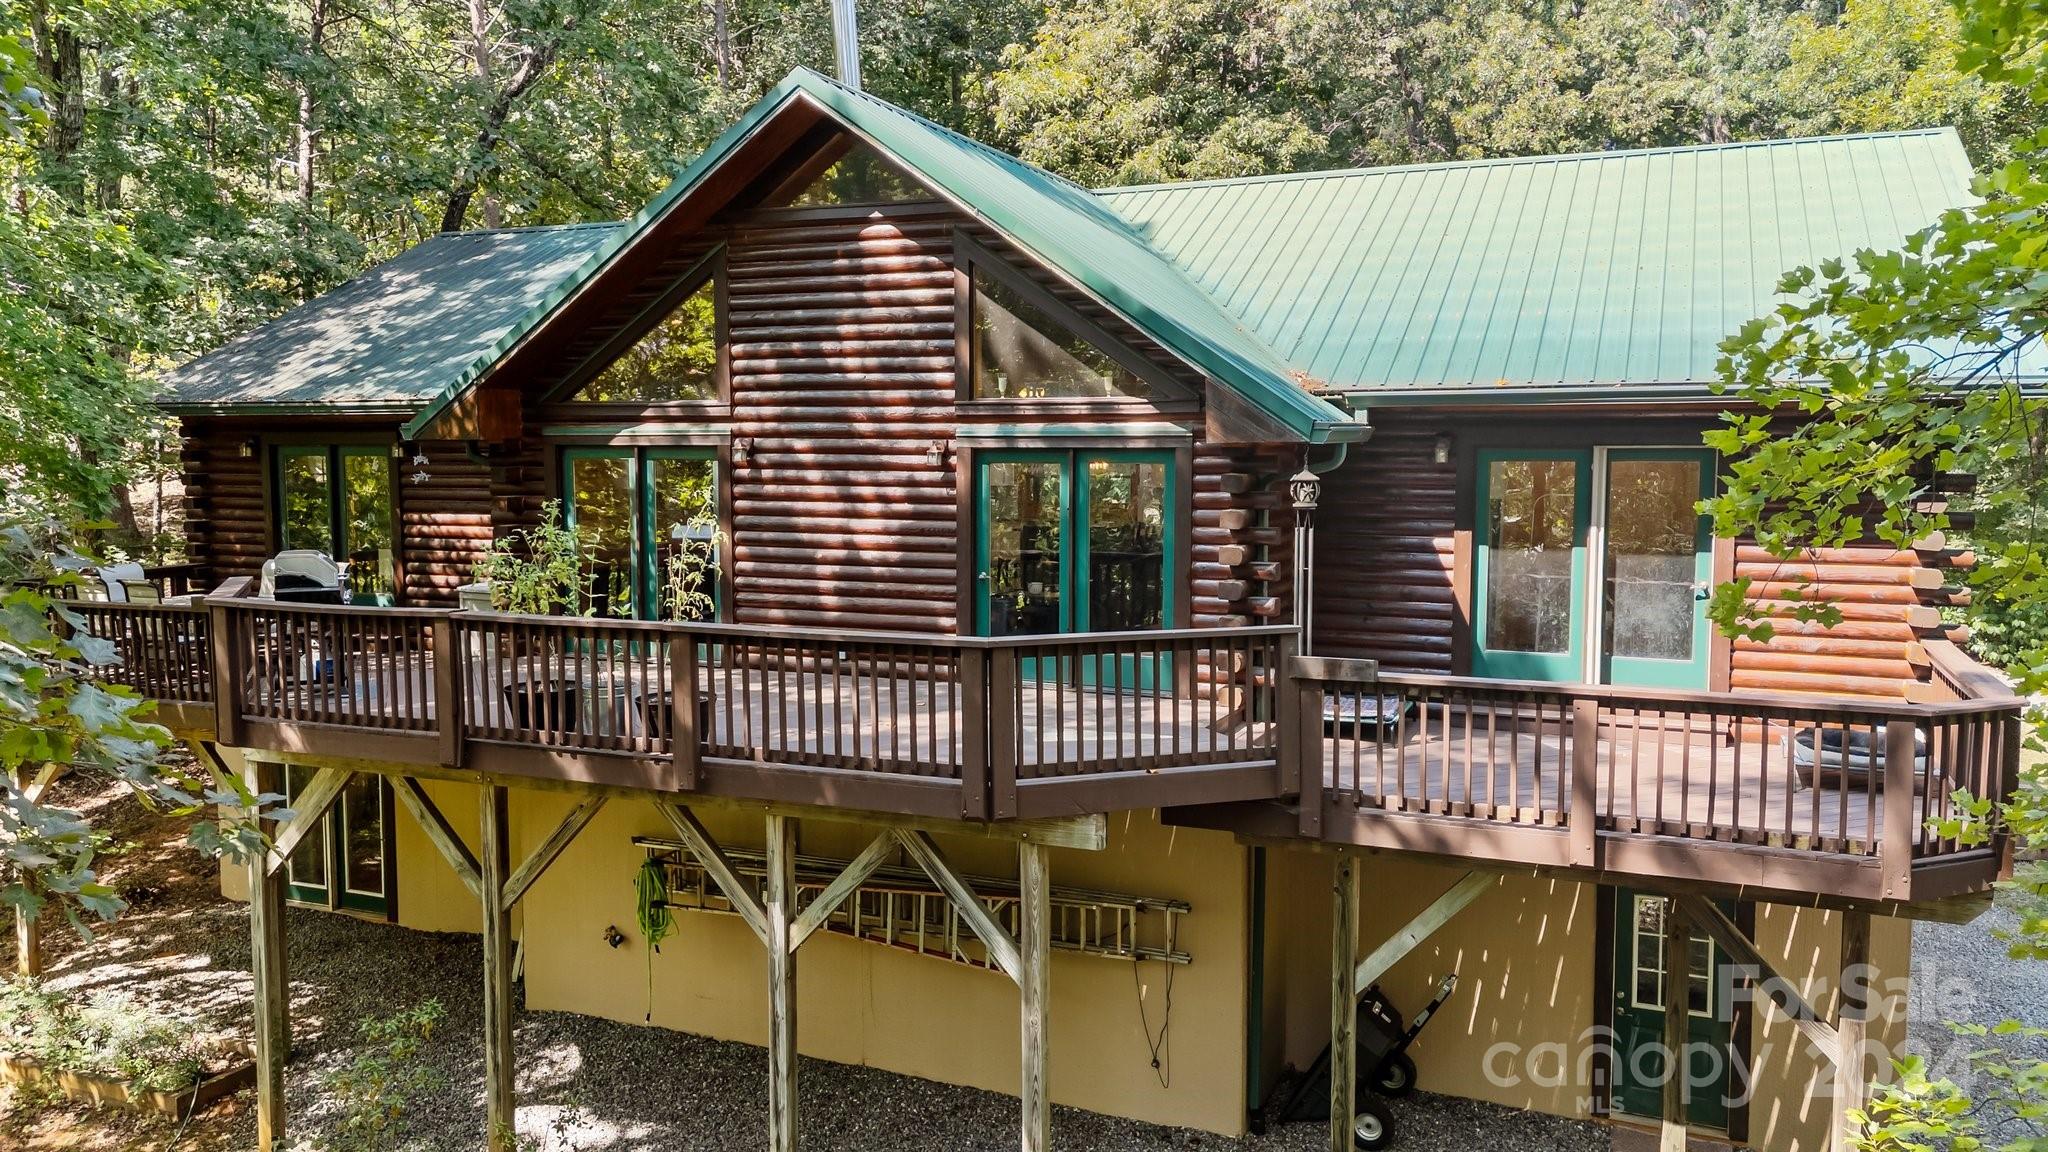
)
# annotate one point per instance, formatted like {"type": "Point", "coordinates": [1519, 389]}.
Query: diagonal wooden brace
{"type": "Point", "coordinates": [721, 871]}
{"type": "Point", "coordinates": [818, 911]}
{"type": "Point", "coordinates": [1425, 924]}
{"type": "Point", "coordinates": [442, 834]}
{"type": "Point", "coordinates": [1002, 947]}
{"type": "Point", "coordinates": [531, 868]}
{"type": "Point", "coordinates": [310, 808]}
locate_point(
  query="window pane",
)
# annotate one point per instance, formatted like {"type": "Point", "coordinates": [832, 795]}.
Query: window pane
{"type": "Point", "coordinates": [1126, 545]}
{"type": "Point", "coordinates": [302, 478]}
{"type": "Point", "coordinates": [362, 815]}
{"type": "Point", "coordinates": [366, 521]}
{"type": "Point", "coordinates": [1024, 526]}
{"type": "Point", "coordinates": [685, 533]}
{"type": "Point", "coordinates": [1532, 523]}
{"type": "Point", "coordinates": [860, 177]}
{"type": "Point", "coordinates": [1021, 352]}
{"type": "Point", "coordinates": [601, 498]}
{"type": "Point", "coordinates": [1652, 545]}
{"type": "Point", "coordinates": [676, 360]}
{"type": "Point", "coordinates": [308, 865]}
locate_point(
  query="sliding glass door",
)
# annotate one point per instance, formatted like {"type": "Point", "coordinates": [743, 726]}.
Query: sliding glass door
{"type": "Point", "coordinates": [1592, 565]}
{"type": "Point", "coordinates": [1073, 541]}
{"type": "Point", "coordinates": [646, 524]}
{"type": "Point", "coordinates": [337, 499]}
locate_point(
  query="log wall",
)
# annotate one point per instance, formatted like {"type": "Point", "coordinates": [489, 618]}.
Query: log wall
{"type": "Point", "coordinates": [227, 522]}
{"type": "Point", "coordinates": [1386, 556]}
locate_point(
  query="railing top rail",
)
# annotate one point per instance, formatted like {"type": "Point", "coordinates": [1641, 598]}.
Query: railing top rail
{"type": "Point", "coordinates": [1321, 670]}
{"type": "Point", "coordinates": [1968, 678]}
{"type": "Point", "coordinates": [195, 608]}
{"type": "Point", "coordinates": [352, 612]}
{"type": "Point", "coordinates": [863, 636]}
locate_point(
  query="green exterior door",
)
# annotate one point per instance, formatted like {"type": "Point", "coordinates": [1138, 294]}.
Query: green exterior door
{"type": "Point", "coordinates": [1640, 994]}
{"type": "Point", "coordinates": [1075, 541]}
{"type": "Point", "coordinates": [345, 861]}
{"type": "Point", "coordinates": [1553, 522]}
{"type": "Point", "coordinates": [645, 521]}
{"type": "Point", "coordinates": [1656, 567]}
{"type": "Point", "coordinates": [1535, 508]}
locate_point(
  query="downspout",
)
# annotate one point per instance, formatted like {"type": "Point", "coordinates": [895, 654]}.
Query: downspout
{"type": "Point", "coordinates": [1306, 489]}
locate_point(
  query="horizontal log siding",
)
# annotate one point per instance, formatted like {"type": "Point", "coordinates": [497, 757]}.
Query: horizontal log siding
{"type": "Point", "coordinates": [1875, 649]}
{"type": "Point", "coordinates": [842, 376]}
{"type": "Point", "coordinates": [445, 523]}
{"type": "Point", "coordinates": [227, 526]}
{"type": "Point", "coordinates": [1386, 551]}
{"type": "Point", "coordinates": [519, 485]}
{"type": "Point", "coordinates": [1242, 550]}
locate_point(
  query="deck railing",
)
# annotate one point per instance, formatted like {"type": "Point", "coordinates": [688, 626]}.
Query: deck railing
{"type": "Point", "coordinates": [163, 651]}
{"type": "Point", "coordinates": [1860, 778]}
{"type": "Point", "coordinates": [982, 727]}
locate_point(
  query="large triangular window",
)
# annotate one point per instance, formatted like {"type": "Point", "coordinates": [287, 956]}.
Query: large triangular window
{"type": "Point", "coordinates": [860, 176]}
{"type": "Point", "coordinates": [675, 361]}
{"type": "Point", "coordinates": [1029, 345]}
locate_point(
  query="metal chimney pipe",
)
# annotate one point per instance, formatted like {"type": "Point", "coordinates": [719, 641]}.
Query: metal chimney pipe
{"type": "Point", "coordinates": [846, 43]}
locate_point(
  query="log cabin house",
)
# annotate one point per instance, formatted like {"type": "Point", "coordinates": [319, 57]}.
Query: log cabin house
{"type": "Point", "coordinates": [1275, 587]}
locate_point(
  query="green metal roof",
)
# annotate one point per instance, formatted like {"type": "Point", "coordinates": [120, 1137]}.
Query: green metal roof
{"type": "Point", "coordinates": [1612, 273]}
{"type": "Point", "coordinates": [1058, 223]}
{"type": "Point", "coordinates": [392, 338]}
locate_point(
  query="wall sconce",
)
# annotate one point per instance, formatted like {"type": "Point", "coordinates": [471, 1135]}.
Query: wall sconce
{"type": "Point", "coordinates": [399, 451]}
{"type": "Point", "coordinates": [935, 456]}
{"type": "Point", "coordinates": [1442, 453]}
{"type": "Point", "coordinates": [246, 448]}
{"type": "Point", "coordinates": [742, 451]}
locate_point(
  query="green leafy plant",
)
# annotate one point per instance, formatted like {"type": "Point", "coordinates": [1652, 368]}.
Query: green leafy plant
{"type": "Point", "coordinates": [535, 570]}
{"type": "Point", "coordinates": [385, 1079]}
{"type": "Point", "coordinates": [689, 577]}
{"type": "Point", "coordinates": [107, 1035]}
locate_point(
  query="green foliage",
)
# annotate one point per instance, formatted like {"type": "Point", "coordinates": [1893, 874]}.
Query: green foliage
{"type": "Point", "coordinates": [652, 913]}
{"type": "Point", "coordinates": [386, 1078]}
{"type": "Point", "coordinates": [104, 1034]}
{"type": "Point", "coordinates": [56, 710]}
{"type": "Point", "coordinates": [535, 570]}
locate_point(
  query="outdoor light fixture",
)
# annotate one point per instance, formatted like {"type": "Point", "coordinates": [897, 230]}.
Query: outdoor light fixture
{"type": "Point", "coordinates": [1442, 452]}
{"type": "Point", "coordinates": [935, 456]}
{"type": "Point", "coordinates": [246, 448]}
{"type": "Point", "coordinates": [742, 451]}
{"type": "Point", "coordinates": [398, 450]}
{"type": "Point", "coordinates": [1307, 490]}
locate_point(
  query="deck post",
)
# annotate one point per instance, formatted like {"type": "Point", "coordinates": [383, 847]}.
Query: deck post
{"type": "Point", "coordinates": [1895, 843]}
{"type": "Point", "coordinates": [1583, 818]}
{"type": "Point", "coordinates": [448, 682]}
{"type": "Point", "coordinates": [778, 905]}
{"type": "Point", "coordinates": [269, 977]}
{"type": "Point", "coordinates": [1343, 1003]}
{"type": "Point", "coordinates": [495, 864]}
{"type": "Point", "coordinates": [1034, 932]}
{"type": "Point", "coordinates": [28, 928]}
{"type": "Point", "coordinates": [1677, 1017]}
{"type": "Point", "coordinates": [685, 742]}
{"type": "Point", "coordinates": [1852, 1016]}
{"type": "Point", "coordinates": [1306, 734]}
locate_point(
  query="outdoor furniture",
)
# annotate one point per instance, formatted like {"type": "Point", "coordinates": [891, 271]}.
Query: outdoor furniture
{"type": "Point", "coordinates": [301, 576]}
{"type": "Point", "coordinates": [1849, 758]}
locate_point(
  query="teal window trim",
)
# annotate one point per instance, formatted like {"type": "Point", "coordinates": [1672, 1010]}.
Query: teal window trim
{"type": "Point", "coordinates": [640, 475]}
{"type": "Point", "coordinates": [337, 545]}
{"type": "Point", "coordinates": [1074, 491]}
{"type": "Point", "coordinates": [1566, 666]}
{"type": "Point", "coordinates": [1643, 672]}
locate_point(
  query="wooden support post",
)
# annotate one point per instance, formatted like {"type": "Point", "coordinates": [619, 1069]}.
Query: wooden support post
{"type": "Point", "coordinates": [778, 905]}
{"type": "Point", "coordinates": [269, 978]}
{"type": "Point", "coordinates": [448, 681]}
{"type": "Point", "coordinates": [1583, 818]}
{"type": "Point", "coordinates": [28, 929]}
{"type": "Point", "coordinates": [685, 742]}
{"type": "Point", "coordinates": [1901, 811]}
{"type": "Point", "coordinates": [1464, 892]}
{"type": "Point", "coordinates": [1343, 1003]}
{"type": "Point", "coordinates": [1034, 931]}
{"type": "Point", "coordinates": [974, 734]}
{"type": "Point", "coordinates": [496, 865]}
{"type": "Point", "coordinates": [1852, 1020]}
{"type": "Point", "coordinates": [1001, 705]}
{"type": "Point", "coordinates": [1677, 1016]}
{"type": "Point", "coordinates": [227, 672]}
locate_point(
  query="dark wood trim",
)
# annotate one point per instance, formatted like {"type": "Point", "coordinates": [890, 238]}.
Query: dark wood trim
{"type": "Point", "coordinates": [1464, 518]}
{"type": "Point", "coordinates": [1181, 562]}
{"type": "Point", "coordinates": [721, 491]}
{"type": "Point", "coordinates": [1046, 796]}
{"type": "Point", "coordinates": [1105, 409]}
{"type": "Point", "coordinates": [1601, 1069]}
{"type": "Point", "coordinates": [679, 436]}
{"type": "Point", "coordinates": [969, 253]}
{"type": "Point", "coordinates": [680, 411]}
{"type": "Point", "coordinates": [967, 547]}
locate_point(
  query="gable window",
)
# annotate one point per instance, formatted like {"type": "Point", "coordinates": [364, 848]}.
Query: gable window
{"type": "Point", "coordinates": [860, 176]}
{"type": "Point", "coordinates": [336, 498]}
{"type": "Point", "coordinates": [1027, 344]}
{"type": "Point", "coordinates": [669, 354]}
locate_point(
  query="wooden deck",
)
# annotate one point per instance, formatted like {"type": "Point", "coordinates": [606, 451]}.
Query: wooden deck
{"type": "Point", "coordinates": [1222, 728]}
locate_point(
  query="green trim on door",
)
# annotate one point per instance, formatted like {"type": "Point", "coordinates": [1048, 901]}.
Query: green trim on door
{"type": "Point", "coordinates": [641, 549]}
{"type": "Point", "coordinates": [1639, 1055]}
{"type": "Point", "coordinates": [1534, 660]}
{"type": "Point", "coordinates": [1654, 672]}
{"type": "Point", "coordinates": [1075, 554]}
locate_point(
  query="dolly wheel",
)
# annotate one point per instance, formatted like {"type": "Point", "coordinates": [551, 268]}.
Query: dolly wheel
{"type": "Point", "coordinates": [1395, 1076]}
{"type": "Point", "coordinates": [1372, 1128]}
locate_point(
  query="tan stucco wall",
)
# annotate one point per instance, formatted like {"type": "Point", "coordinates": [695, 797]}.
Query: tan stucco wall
{"type": "Point", "coordinates": [860, 1003]}
{"type": "Point", "coordinates": [1523, 953]}
{"type": "Point", "coordinates": [1526, 1000]}
{"type": "Point", "coordinates": [430, 896]}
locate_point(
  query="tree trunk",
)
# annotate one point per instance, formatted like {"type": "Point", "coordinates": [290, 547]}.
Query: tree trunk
{"type": "Point", "coordinates": [61, 57]}
{"type": "Point", "coordinates": [721, 44]}
{"type": "Point", "coordinates": [469, 178]}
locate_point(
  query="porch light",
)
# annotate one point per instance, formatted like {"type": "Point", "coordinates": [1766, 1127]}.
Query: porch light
{"type": "Point", "coordinates": [246, 448]}
{"type": "Point", "coordinates": [1442, 452]}
{"type": "Point", "coordinates": [742, 451]}
{"type": "Point", "coordinates": [935, 456]}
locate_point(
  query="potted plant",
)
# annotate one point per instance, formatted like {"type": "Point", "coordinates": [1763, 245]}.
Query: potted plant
{"type": "Point", "coordinates": [537, 571]}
